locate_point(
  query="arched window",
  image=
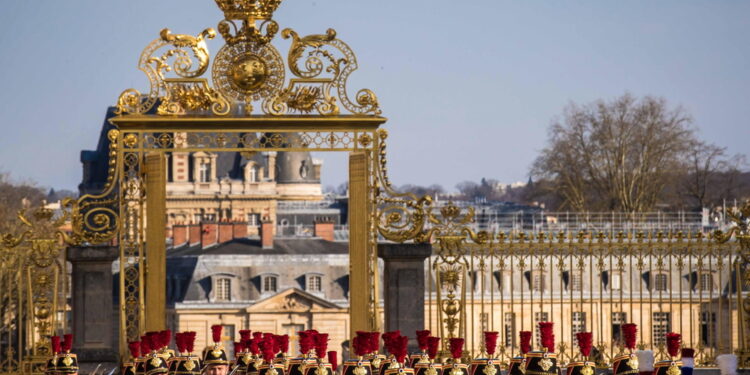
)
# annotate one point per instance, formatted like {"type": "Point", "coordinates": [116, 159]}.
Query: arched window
{"type": "Point", "coordinates": [223, 289]}
{"type": "Point", "coordinates": [270, 284]}
{"type": "Point", "coordinates": [252, 175]}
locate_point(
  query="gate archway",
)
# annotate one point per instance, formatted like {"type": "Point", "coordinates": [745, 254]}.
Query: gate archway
{"type": "Point", "coordinates": [248, 106]}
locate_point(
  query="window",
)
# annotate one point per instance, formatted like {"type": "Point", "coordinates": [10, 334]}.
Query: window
{"type": "Point", "coordinates": [579, 322]}
{"type": "Point", "coordinates": [537, 282]}
{"type": "Point", "coordinates": [616, 282]}
{"type": "Point", "coordinates": [575, 282]}
{"type": "Point", "coordinates": [706, 282]}
{"type": "Point", "coordinates": [708, 328]}
{"type": "Point", "coordinates": [252, 175]}
{"type": "Point", "coordinates": [223, 289]}
{"type": "Point", "coordinates": [510, 329]}
{"type": "Point", "coordinates": [618, 319]}
{"type": "Point", "coordinates": [662, 323]}
{"type": "Point", "coordinates": [198, 218]}
{"type": "Point", "coordinates": [661, 282]}
{"type": "Point", "coordinates": [269, 283]}
{"type": "Point", "coordinates": [484, 318]}
{"type": "Point", "coordinates": [541, 317]}
{"type": "Point", "coordinates": [205, 172]}
{"type": "Point", "coordinates": [314, 283]}
{"type": "Point", "coordinates": [253, 219]}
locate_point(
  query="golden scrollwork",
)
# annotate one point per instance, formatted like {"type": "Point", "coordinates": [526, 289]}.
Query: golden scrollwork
{"type": "Point", "coordinates": [176, 59]}
{"type": "Point", "coordinates": [400, 216]}
{"type": "Point", "coordinates": [248, 69]}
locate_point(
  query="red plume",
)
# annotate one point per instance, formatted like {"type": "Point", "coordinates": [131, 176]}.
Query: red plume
{"type": "Point", "coordinates": [321, 345]}
{"type": "Point", "coordinates": [490, 342]}
{"type": "Point", "coordinates": [67, 343]}
{"type": "Point", "coordinates": [584, 342]}
{"type": "Point", "coordinates": [190, 341]}
{"type": "Point", "coordinates": [254, 345]}
{"type": "Point", "coordinates": [525, 341]}
{"type": "Point", "coordinates": [56, 344]}
{"type": "Point", "coordinates": [245, 334]}
{"type": "Point", "coordinates": [277, 344]}
{"type": "Point", "coordinates": [153, 340]}
{"type": "Point", "coordinates": [266, 347]}
{"type": "Point", "coordinates": [629, 331]}
{"type": "Point", "coordinates": [432, 346]}
{"type": "Point", "coordinates": [135, 349]}
{"type": "Point", "coordinates": [284, 343]}
{"type": "Point", "coordinates": [360, 343]}
{"type": "Point", "coordinates": [333, 358]}
{"type": "Point", "coordinates": [179, 340]}
{"type": "Point", "coordinates": [239, 347]}
{"type": "Point", "coordinates": [373, 341]}
{"type": "Point", "coordinates": [166, 338]}
{"type": "Point", "coordinates": [388, 339]}
{"type": "Point", "coordinates": [422, 339]}
{"type": "Point", "coordinates": [399, 348]}
{"type": "Point", "coordinates": [145, 344]}
{"type": "Point", "coordinates": [258, 336]}
{"type": "Point", "coordinates": [456, 347]}
{"type": "Point", "coordinates": [547, 336]}
{"type": "Point", "coordinates": [673, 343]}
{"type": "Point", "coordinates": [306, 342]}
{"type": "Point", "coordinates": [216, 333]}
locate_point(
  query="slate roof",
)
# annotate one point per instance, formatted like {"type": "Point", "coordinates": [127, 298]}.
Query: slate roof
{"type": "Point", "coordinates": [247, 246]}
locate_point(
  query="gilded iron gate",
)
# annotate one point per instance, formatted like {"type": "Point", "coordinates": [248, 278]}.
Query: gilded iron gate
{"type": "Point", "coordinates": [689, 283]}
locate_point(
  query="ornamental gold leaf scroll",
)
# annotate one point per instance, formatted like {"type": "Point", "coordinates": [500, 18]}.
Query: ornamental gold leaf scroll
{"type": "Point", "coordinates": [248, 69]}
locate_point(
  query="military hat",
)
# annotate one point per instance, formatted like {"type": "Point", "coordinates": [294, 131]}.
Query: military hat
{"type": "Point", "coordinates": [67, 362]}
{"type": "Point", "coordinates": [51, 364]}
{"type": "Point", "coordinates": [215, 354]}
{"type": "Point", "coordinates": [155, 364]}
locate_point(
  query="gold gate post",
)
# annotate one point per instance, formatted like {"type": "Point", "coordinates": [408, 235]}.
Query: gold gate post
{"type": "Point", "coordinates": [360, 291]}
{"type": "Point", "coordinates": [156, 250]}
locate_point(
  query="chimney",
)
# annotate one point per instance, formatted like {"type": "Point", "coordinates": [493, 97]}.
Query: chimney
{"type": "Point", "coordinates": [194, 234]}
{"type": "Point", "coordinates": [225, 232]}
{"type": "Point", "coordinates": [239, 229]}
{"type": "Point", "coordinates": [209, 234]}
{"type": "Point", "coordinates": [179, 235]}
{"type": "Point", "coordinates": [266, 234]}
{"type": "Point", "coordinates": [324, 229]}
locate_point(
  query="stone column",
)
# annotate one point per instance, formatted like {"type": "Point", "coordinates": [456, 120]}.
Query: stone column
{"type": "Point", "coordinates": [94, 313]}
{"type": "Point", "coordinates": [403, 287]}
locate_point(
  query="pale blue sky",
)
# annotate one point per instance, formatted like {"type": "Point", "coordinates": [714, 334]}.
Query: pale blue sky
{"type": "Point", "coordinates": [469, 87]}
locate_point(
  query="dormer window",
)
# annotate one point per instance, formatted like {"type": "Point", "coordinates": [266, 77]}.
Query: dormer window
{"type": "Point", "coordinates": [661, 282]}
{"type": "Point", "coordinates": [314, 283]}
{"type": "Point", "coordinates": [269, 284]}
{"type": "Point", "coordinates": [223, 289]}
{"type": "Point", "coordinates": [706, 282]}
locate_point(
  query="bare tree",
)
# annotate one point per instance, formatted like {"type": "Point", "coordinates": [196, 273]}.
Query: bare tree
{"type": "Point", "coordinates": [710, 175]}
{"type": "Point", "coordinates": [615, 155]}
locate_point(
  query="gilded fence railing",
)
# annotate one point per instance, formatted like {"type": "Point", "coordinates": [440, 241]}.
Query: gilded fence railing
{"type": "Point", "coordinates": [692, 283]}
{"type": "Point", "coordinates": [33, 291]}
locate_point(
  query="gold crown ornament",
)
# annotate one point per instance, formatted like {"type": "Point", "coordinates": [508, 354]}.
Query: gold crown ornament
{"type": "Point", "coordinates": [248, 9]}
